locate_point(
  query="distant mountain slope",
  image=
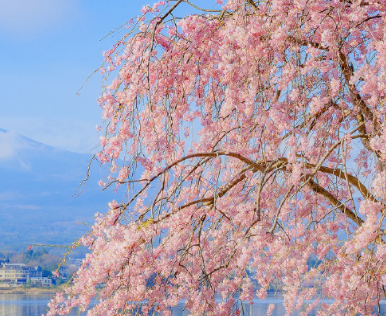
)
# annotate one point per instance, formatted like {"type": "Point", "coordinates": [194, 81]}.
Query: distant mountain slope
{"type": "Point", "coordinates": [36, 185]}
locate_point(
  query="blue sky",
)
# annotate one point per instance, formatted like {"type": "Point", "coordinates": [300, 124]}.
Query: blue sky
{"type": "Point", "coordinates": [48, 49]}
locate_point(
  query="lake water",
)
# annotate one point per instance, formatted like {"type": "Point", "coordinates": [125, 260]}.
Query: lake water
{"type": "Point", "coordinates": [36, 305]}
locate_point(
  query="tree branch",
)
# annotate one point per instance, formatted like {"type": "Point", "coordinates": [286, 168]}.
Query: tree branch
{"type": "Point", "coordinates": [333, 200]}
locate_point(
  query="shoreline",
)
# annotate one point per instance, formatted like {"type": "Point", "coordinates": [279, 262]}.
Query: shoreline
{"type": "Point", "coordinates": [29, 291]}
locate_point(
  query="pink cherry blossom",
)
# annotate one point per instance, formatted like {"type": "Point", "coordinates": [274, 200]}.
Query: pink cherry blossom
{"type": "Point", "coordinates": [250, 147]}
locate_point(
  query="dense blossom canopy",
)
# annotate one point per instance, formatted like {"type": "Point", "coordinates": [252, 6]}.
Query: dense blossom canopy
{"type": "Point", "coordinates": [250, 144]}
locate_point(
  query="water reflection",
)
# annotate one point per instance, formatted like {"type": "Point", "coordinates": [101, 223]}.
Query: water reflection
{"type": "Point", "coordinates": [259, 308]}
{"type": "Point", "coordinates": [36, 305]}
{"type": "Point", "coordinates": [24, 305]}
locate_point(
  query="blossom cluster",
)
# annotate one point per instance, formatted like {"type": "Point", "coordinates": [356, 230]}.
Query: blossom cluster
{"type": "Point", "coordinates": [250, 146]}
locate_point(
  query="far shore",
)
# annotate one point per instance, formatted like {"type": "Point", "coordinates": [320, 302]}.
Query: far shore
{"type": "Point", "coordinates": [29, 291]}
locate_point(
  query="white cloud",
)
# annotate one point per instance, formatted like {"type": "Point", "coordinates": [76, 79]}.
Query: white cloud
{"type": "Point", "coordinates": [8, 196]}
{"type": "Point", "coordinates": [67, 134]}
{"type": "Point", "coordinates": [9, 145]}
{"type": "Point", "coordinates": [27, 207]}
{"type": "Point", "coordinates": [25, 17]}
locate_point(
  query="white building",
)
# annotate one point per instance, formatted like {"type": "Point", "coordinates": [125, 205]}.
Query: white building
{"type": "Point", "coordinates": [14, 273]}
{"type": "Point", "coordinates": [41, 281]}
{"type": "Point", "coordinates": [19, 273]}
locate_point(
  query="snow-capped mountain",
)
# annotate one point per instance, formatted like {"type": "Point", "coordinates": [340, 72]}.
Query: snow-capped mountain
{"type": "Point", "coordinates": [36, 187]}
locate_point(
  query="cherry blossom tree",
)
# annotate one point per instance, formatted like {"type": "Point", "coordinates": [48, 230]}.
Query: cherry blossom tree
{"type": "Point", "coordinates": [249, 143]}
